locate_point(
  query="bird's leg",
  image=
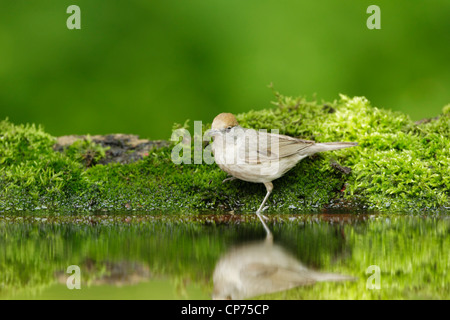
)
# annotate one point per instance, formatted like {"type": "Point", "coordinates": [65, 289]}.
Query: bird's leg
{"type": "Point", "coordinates": [269, 187]}
{"type": "Point", "coordinates": [269, 239]}
{"type": "Point", "coordinates": [229, 179]}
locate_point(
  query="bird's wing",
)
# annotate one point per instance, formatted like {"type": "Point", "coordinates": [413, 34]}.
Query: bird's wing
{"type": "Point", "coordinates": [288, 146]}
{"type": "Point", "coordinates": [270, 147]}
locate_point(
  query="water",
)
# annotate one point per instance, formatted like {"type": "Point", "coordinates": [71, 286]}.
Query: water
{"type": "Point", "coordinates": [172, 257]}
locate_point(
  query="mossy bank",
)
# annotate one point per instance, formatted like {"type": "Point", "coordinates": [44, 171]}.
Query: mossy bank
{"type": "Point", "coordinates": [398, 165]}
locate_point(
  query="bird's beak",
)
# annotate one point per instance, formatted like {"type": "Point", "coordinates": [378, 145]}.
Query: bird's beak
{"type": "Point", "coordinates": [212, 132]}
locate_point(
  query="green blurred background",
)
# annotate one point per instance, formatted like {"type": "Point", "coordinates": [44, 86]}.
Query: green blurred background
{"type": "Point", "coordinates": [138, 66]}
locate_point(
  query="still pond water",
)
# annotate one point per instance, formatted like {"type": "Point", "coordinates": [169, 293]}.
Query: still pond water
{"type": "Point", "coordinates": [137, 256]}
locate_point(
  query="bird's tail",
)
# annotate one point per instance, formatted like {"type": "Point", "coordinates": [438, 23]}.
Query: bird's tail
{"type": "Point", "coordinates": [329, 146]}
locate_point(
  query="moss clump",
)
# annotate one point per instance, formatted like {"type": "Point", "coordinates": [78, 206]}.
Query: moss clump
{"type": "Point", "coordinates": [86, 152]}
{"type": "Point", "coordinates": [31, 173]}
{"type": "Point", "coordinates": [398, 165]}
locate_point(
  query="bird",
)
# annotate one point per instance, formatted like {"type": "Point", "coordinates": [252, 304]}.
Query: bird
{"type": "Point", "coordinates": [262, 267]}
{"type": "Point", "coordinates": [259, 156]}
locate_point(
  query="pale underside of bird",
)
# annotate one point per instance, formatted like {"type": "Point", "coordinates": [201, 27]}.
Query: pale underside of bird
{"type": "Point", "coordinates": [262, 268]}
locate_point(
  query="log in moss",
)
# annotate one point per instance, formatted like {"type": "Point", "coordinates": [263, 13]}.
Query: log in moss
{"type": "Point", "coordinates": [398, 165]}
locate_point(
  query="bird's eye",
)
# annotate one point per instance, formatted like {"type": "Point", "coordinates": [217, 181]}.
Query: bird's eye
{"type": "Point", "coordinates": [229, 128]}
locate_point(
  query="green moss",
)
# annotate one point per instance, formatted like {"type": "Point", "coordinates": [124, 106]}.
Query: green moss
{"type": "Point", "coordinates": [398, 165]}
{"type": "Point", "coordinates": [31, 173]}
{"type": "Point", "coordinates": [86, 151]}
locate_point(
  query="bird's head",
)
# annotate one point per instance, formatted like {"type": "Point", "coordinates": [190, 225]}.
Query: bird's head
{"type": "Point", "coordinates": [223, 123]}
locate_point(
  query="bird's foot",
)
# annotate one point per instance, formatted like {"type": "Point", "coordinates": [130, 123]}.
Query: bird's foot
{"type": "Point", "coordinates": [260, 211]}
{"type": "Point", "coordinates": [229, 179]}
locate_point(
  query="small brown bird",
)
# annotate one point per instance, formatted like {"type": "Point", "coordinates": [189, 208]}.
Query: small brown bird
{"type": "Point", "coordinates": [259, 268]}
{"type": "Point", "coordinates": [258, 156]}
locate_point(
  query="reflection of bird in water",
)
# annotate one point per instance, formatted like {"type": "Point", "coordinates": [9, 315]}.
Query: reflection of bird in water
{"type": "Point", "coordinates": [262, 267]}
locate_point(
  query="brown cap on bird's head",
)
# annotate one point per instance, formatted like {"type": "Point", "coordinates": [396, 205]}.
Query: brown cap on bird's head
{"type": "Point", "coordinates": [223, 121]}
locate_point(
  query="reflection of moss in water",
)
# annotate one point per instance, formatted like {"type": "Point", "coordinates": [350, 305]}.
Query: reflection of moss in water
{"type": "Point", "coordinates": [37, 253]}
{"type": "Point", "coordinates": [412, 253]}
{"type": "Point", "coordinates": [398, 165]}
